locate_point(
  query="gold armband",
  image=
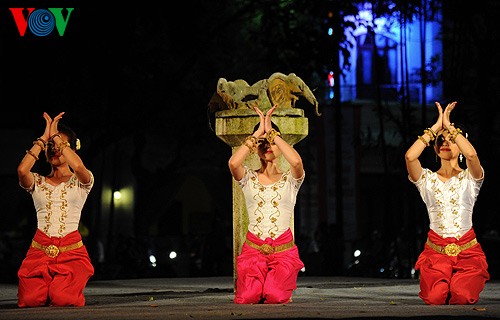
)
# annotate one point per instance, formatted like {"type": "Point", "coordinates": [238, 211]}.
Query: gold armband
{"type": "Point", "coordinates": [54, 135]}
{"type": "Point", "coordinates": [39, 143]}
{"type": "Point", "coordinates": [423, 140]}
{"type": "Point", "coordinates": [430, 133]}
{"type": "Point", "coordinates": [61, 146]}
{"type": "Point", "coordinates": [246, 144]}
{"type": "Point", "coordinates": [271, 135]}
{"type": "Point", "coordinates": [32, 154]}
{"type": "Point", "coordinates": [42, 141]}
{"type": "Point", "coordinates": [453, 134]}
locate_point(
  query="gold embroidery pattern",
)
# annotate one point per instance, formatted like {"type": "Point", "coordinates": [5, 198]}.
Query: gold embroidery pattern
{"type": "Point", "coordinates": [267, 195]}
{"type": "Point", "coordinates": [453, 199]}
{"type": "Point", "coordinates": [64, 212]}
{"type": "Point", "coordinates": [48, 206]}
{"type": "Point", "coordinates": [64, 204]}
{"type": "Point", "coordinates": [257, 230]}
{"type": "Point", "coordinates": [45, 187]}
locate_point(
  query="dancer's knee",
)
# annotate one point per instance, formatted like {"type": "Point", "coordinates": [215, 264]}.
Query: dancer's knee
{"type": "Point", "coordinates": [32, 299]}
{"type": "Point", "coordinates": [277, 297]}
{"type": "Point", "coordinates": [463, 296]}
{"type": "Point", "coordinates": [247, 297]}
{"type": "Point", "coordinates": [61, 300]}
{"type": "Point", "coordinates": [437, 296]}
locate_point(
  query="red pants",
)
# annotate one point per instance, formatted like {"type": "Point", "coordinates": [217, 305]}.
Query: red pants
{"type": "Point", "coordinates": [58, 281]}
{"type": "Point", "coordinates": [267, 278]}
{"type": "Point", "coordinates": [452, 280]}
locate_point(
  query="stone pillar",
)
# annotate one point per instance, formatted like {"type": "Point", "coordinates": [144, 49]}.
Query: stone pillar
{"type": "Point", "coordinates": [232, 127]}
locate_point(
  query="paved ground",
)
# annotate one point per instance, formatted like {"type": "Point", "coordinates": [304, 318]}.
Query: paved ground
{"type": "Point", "coordinates": [211, 298]}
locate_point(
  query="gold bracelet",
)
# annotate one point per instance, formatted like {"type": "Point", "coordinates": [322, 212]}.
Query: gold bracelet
{"type": "Point", "coordinates": [245, 143]}
{"type": "Point", "coordinates": [61, 146]}
{"type": "Point", "coordinates": [423, 140]}
{"type": "Point", "coordinates": [433, 132]}
{"type": "Point", "coordinates": [39, 143]}
{"type": "Point", "coordinates": [271, 135]}
{"type": "Point", "coordinates": [32, 154]}
{"type": "Point", "coordinates": [453, 135]}
{"type": "Point", "coordinates": [430, 133]}
{"type": "Point", "coordinates": [42, 141]}
{"type": "Point", "coordinates": [54, 135]}
{"type": "Point", "coordinates": [254, 139]}
{"type": "Point", "coordinates": [250, 147]}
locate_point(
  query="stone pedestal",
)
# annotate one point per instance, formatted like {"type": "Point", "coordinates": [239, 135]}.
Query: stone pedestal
{"type": "Point", "coordinates": [232, 127]}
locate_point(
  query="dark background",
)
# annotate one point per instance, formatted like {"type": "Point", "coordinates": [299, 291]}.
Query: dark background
{"type": "Point", "coordinates": [135, 82]}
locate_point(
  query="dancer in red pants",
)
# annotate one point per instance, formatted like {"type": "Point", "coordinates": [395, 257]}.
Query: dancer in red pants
{"type": "Point", "coordinates": [57, 266]}
{"type": "Point", "coordinates": [453, 267]}
{"type": "Point", "coordinates": [269, 263]}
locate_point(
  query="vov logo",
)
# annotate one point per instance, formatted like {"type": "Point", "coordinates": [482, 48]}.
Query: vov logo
{"type": "Point", "coordinates": [41, 22]}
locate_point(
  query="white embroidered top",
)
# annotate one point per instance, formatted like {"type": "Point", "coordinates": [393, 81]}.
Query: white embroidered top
{"type": "Point", "coordinates": [58, 208]}
{"type": "Point", "coordinates": [270, 207]}
{"type": "Point", "coordinates": [449, 204]}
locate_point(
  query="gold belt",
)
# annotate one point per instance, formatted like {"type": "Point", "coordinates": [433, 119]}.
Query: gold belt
{"type": "Point", "coordinates": [53, 251]}
{"type": "Point", "coordinates": [452, 249]}
{"type": "Point", "coordinates": [267, 249]}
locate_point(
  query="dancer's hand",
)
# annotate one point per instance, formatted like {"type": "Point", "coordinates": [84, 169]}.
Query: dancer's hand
{"type": "Point", "coordinates": [268, 125]}
{"type": "Point", "coordinates": [261, 129]}
{"type": "Point", "coordinates": [446, 115]}
{"type": "Point", "coordinates": [438, 126]}
{"type": "Point", "coordinates": [55, 122]}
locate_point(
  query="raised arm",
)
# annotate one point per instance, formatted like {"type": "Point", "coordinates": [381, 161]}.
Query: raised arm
{"type": "Point", "coordinates": [413, 165]}
{"type": "Point", "coordinates": [466, 148]}
{"type": "Point", "coordinates": [72, 158]}
{"type": "Point", "coordinates": [289, 153]}
{"type": "Point", "coordinates": [24, 168]}
{"type": "Point", "coordinates": [248, 146]}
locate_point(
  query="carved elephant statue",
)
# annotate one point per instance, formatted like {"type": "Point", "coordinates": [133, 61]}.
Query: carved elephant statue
{"type": "Point", "coordinates": [238, 94]}
{"type": "Point", "coordinates": [285, 90]}
{"type": "Point", "coordinates": [232, 92]}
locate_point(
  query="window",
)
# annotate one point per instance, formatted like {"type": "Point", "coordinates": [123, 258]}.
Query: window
{"type": "Point", "coordinates": [376, 69]}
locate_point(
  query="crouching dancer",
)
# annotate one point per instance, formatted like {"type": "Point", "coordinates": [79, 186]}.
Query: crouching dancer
{"type": "Point", "coordinates": [57, 266]}
{"type": "Point", "coordinates": [453, 268]}
{"type": "Point", "coordinates": [269, 263]}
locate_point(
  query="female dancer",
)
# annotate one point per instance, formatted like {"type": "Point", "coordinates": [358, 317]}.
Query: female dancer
{"type": "Point", "coordinates": [269, 263]}
{"type": "Point", "coordinates": [57, 266]}
{"type": "Point", "coordinates": [453, 268]}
